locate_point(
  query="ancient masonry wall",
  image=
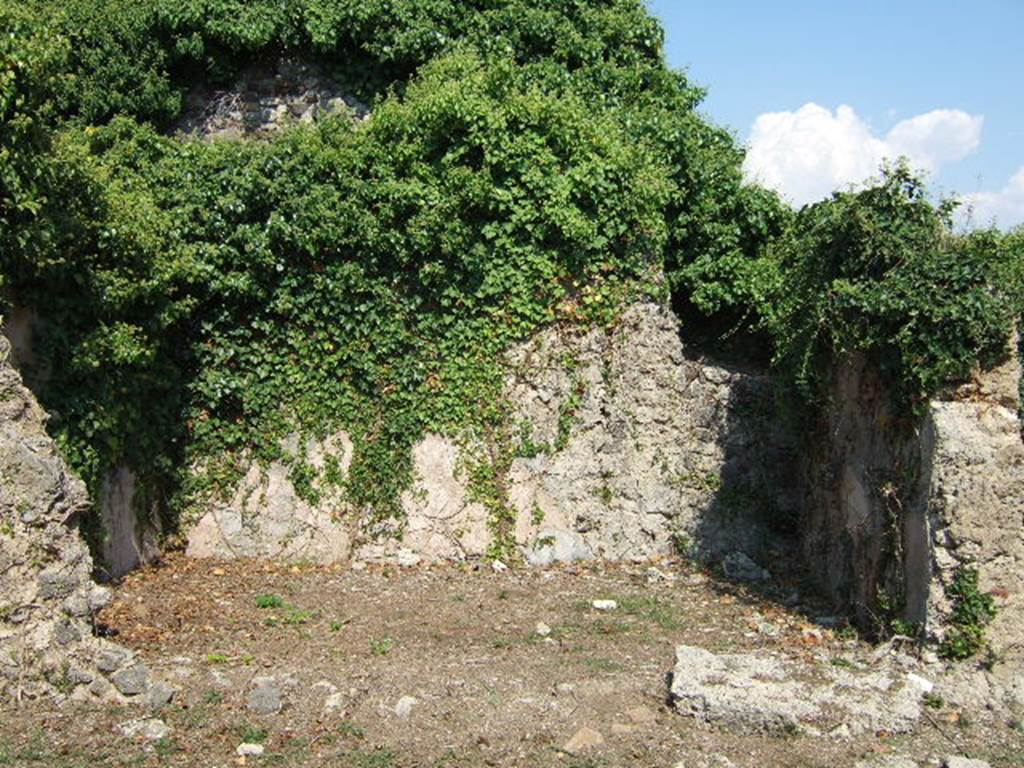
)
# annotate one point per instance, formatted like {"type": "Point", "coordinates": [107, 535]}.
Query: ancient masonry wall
{"type": "Point", "coordinates": [265, 99]}
{"type": "Point", "coordinates": [48, 600]}
{"type": "Point", "coordinates": [643, 449]}
{"type": "Point", "coordinates": [894, 506]}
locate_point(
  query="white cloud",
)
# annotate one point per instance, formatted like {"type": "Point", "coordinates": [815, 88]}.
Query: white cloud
{"type": "Point", "coordinates": [935, 138]}
{"type": "Point", "coordinates": [808, 154]}
{"type": "Point", "coordinates": [1005, 207]}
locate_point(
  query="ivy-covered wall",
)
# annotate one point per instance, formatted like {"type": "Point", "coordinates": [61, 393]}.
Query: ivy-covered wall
{"type": "Point", "coordinates": [526, 165]}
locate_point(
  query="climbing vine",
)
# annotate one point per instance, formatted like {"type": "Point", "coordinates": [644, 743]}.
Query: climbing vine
{"type": "Point", "coordinates": [222, 297]}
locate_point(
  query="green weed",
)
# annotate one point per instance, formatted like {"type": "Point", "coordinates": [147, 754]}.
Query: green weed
{"type": "Point", "coordinates": [972, 612]}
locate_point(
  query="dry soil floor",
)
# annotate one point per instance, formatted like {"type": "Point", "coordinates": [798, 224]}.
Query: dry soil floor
{"type": "Point", "coordinates": [345, 647]}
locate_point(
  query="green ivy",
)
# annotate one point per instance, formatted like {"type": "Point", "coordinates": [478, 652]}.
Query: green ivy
{"type": "Point", "coordinates": [221, 297]}
{"type": "Point", "coordinates": [32, 60]}
{"type": "Point", "coordinates": [972, 611]}
{"type": "Point", "coordinates": [567, 413]}
{"type": "Point", "coordinates": [882, 273]}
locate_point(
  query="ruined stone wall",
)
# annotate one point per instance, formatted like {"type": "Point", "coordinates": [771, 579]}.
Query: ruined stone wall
{"type": "Point", "coordinates": [129, 530]}
{"type": "Point", "coordinates": [642, 448]}
{"type": "Point", "coordinates": [18, 328]}
{"type": "Point", "coordinates": [975, 502]}
{"type": "Point", "coordinates": [895, 505]}
{"type": "Point", "coordinates": [47, 597]}
{"type": "Point", "coordinates": [863, 464]}
{"type": "Point", "coordinates": [264, 99]}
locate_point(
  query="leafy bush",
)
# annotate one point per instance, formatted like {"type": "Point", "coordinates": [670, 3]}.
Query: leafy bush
{"type": "Point", "coordinates": [137, 58]}
{"type": "Point", "coordinates": [31, 60]}
{"type": "Point", "coordinates": [881, 272]}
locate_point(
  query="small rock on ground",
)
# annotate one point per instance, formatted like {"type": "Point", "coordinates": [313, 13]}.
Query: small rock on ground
{"type": "Point", "coordinates": [131, 681]}
{"type": "Point", "coordinates": [148, 728]}
{"type": "Point", "coordinates": [265, 698]}
{"type": "Point", "coordinates": [605, 605]}
{"type": "Point", "coordinates": [160, 695]}
{"type": "Point", "coordinates": [110, 659]}
{"type": "Point", "coordinates": [543, 630]}
{"type": "Point", "coordinates": [404, 706]}
{"type": "Point", "coordinates": [768, 694]}
{"type": "Point", "coordinates": [926, 685]}
{"type": "Point", "coordinates": [584, 739]}
{"type": "Point", "coordinates": [655, 576]}
{"type": "Point", "coordinates": [740, 567]}
{"type": "Point", "coordinates": [334, 701]}
{"type": "Point", "coordinates": [249, 750]}
{"type": "Point", "coordinates": [964, 762]}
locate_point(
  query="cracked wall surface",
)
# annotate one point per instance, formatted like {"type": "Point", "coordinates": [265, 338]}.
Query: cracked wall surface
{"type": "Point", "coordinates": [48, 599]}
{"type": "Point", "coordinates": [895, 505]}
{"type": "Point", "coordinates": [626, 446]}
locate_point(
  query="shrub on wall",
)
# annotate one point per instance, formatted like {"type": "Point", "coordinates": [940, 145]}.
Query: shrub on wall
{"type": "Point", "coordinates": [882, 272]}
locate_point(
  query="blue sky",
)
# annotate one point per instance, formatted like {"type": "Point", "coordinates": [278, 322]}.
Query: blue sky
{"type": "Point", "coordinates": [938, 80]}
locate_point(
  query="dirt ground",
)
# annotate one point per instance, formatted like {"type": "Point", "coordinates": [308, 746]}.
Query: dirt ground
{"type": "Point", "coordinates": [489, 689]}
